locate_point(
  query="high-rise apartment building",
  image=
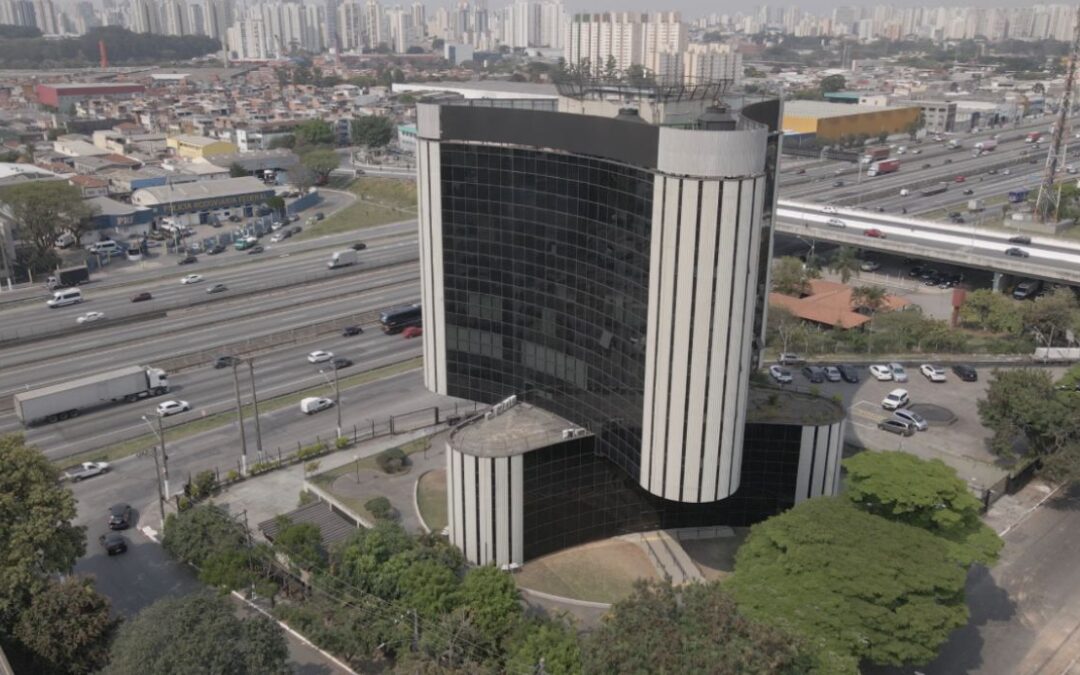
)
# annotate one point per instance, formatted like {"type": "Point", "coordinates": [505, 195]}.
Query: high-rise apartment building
{"type": "Point", "coordinates": [712, 61]}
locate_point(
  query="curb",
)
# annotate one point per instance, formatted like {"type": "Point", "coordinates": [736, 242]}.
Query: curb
{"type": "Point", "coordinates": [416, 501]}
{"type": "Point", "coordinates": [569, 601]}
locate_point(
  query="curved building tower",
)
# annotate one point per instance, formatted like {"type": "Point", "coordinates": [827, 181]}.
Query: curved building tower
{"type": "Point", "coordinates": [607, 267]}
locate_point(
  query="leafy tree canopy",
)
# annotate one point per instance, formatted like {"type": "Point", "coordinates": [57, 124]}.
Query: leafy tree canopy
{"type": "Point", "coordinates": [552, 641]}
{"type": "Point", "coordinates": [44, 209]}
{"type": "Point", "coordinates": [372, 131]}
{"type": "Point", "coordinates": [67, 628]}
{"type": "Point", "coordinates": [201, 531]}
{"type": "Point", "coordinates": [124, 47]}
{"type": "Point", "coordinates": [989, 310]}
{"type": "Point", "coordinates": [857, 586]}
{"type": "Point", "coordinates": [314, 132]}
{"type": "Point", "coordinates": [321, 163]}
{"type": "Point", "coordinates": [791, 277]}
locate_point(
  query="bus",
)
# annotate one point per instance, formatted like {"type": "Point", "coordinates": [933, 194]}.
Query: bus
{"type": "Point", "coordinates": [399, 318]}
{"type": "Point", "coordinates": [1018, 196]}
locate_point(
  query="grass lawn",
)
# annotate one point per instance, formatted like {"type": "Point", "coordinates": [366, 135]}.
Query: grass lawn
{"type": "Point", "coordinates": [188, 429]}
{"type": "Point", "coordinates": [431, 496]}
{"type": "Point", "coordinates": [602, 571]}
{"type": "Point", "coordinates": [379, 201]}
{"type": "Point", "coordinates": [326, 479]}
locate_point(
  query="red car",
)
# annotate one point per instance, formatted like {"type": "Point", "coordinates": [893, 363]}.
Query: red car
{"type": "Point", "coordinates": [412, 331]}
{"type": "Point", "coordinates": [874, 232]}
{"type": "Point", "coordinates": [960, 179]}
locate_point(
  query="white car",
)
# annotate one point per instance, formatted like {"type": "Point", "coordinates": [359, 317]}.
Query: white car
{"type": "Point", "coordinates": [314, 404]}
{"type": "Point", "coordinates": [898, 372]}
{"type": "Point", "coordinates": [191, 279]}
{"type": "Point", "coordinates": [835, 222]}
{"type": "Point", "coordinates": [828, 209]}
{"type": "Point", "coordinates": [896, 399]}
{"type": "Point", "coordinates": [881, 373]}
{"type": "Point", "coordinates": [780, 375]}
{"type": "Point", "coordinates": [319, 356]}
{"type": "Point", "coordinates": [90, 317]}
{"type": "Point", "coordinates": [932, 372]}
{"type": "Point", "coordinates": [172, 407]}
{"type": "Point", "coordinates": [913, 418]}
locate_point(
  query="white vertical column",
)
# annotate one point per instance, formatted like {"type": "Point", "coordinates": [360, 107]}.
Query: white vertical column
{"type": "Point", "coordinates": [700, 432]}
{"type": "Point", "coordinates": [502, 511]}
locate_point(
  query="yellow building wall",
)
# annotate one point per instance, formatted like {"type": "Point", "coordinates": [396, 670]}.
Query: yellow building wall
{"type": "Point", "coordinates": [188, 151]}
{"type": "Point", "coordinates": [871, 123]}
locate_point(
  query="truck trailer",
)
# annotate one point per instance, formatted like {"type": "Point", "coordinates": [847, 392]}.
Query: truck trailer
{"type": "Point", "coordinates": [69, 399]}
{"type": "Point", "coordinates": [1033, 137]}
{"type": "Point", "coordinates": [342, 259]}
{"type": "Point", "coordinates": [69, 276]}
{"type": "Point", "coordinates": [875, 154]}
{"type": "Point", "coordinates": [986, 146]}
{"type": "Point", "coordinates": [882, 167]}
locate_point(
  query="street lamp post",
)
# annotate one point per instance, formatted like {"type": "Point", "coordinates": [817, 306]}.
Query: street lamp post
{"type": "Point", "coordinates": [240, 421]}
{"type": "Point", "coordinates": [337, 397]}
{"type": "Point", "coordinates": [161, 468]}
{"type": "Point", "coordinates": [255, 403]}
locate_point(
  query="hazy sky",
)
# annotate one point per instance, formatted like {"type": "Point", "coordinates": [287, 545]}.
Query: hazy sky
{"type": "Point", "coordinates": [694, 8]}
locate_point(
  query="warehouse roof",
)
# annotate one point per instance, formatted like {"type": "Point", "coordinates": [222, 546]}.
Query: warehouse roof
{"type": "Point", "coordinates": [225, 187]}
{"type": "Point", "coordinates": [200, 141]}
{"type": "Point", "coordinates": [822, 109]}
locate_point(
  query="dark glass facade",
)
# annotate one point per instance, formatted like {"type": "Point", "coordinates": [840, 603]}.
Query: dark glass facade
{"type": "Point", "coordinates": [546, 266]}
{"type": "Point", "coordinates": [572, 495]}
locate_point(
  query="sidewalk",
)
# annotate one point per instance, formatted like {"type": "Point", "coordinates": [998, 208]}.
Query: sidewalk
{"type": "Point", "coordinates": [1011, 510]}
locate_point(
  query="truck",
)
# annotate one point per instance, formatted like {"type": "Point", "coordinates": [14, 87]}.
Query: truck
{"type": "Point", "coordinates": [935, 190]}
{"type": "Point", "coordinates": [1033, 137]}
{"type": "Point", "coordinates": [1028, 288]}
{"type": "Point", "coordinates": [342, 259]}
{"type": "Point", "coordinates": [1018, 196]}
{"type": "Point", "coordinates": [86, 470]}
{"type": "Point", "coordinates": [882, 167]}
{"type": "Point", "coordinates": [986, 146]}
{"type": "Point", "coordinates": [69, 276]}
{"type": "Point", "coordinates": [875, 154]}
{"type": "Point", "coordinates": [975, 205]}
{"type": "Point", "coordinates": [955, 144]}
{"type": "Point", "coordinates": [69, 399]}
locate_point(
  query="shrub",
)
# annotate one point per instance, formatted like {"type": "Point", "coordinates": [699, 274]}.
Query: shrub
{"type": "Point", "coordinates": [341, 442]}
{"type": "Point", "coordinates": [203, 485]}
{"type": "Point", "coordinates": [391, 460]}
{"type": "Point", "coordinates": [773, 398]}
{"type": "Point", "coordinates": [260, 467]}
{"type": "Point", "coordinates": [313, 450]}
{"type": "Point", "coordinates": [379, 507]}
{"type": "Point", "coordinates": [232, 476]}
{"type": "Point", "coordinates": [307, 497]}
{"type": "Point", "coordinates": [183, 503]}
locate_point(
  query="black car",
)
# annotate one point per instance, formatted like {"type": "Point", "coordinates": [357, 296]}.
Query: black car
{"type": "Point", "coordinates": [965, 372]}
{"type": "Point", "coordinates": [350, 331]}
{"type": "Point", "coordinates": [235, 218]}
{"type": "Point", "coordinates": [358, 246]}
{"type": "Point", "coordinates": [218, 248]}
{"type": "Point", "coordinates": [113, 543]}
{"type": "Point", "coordinates": [187, 260]}
{"type": "Point", "coordinates": [142, 297]}
{"type": "Point", "coordinates": [848, 373]}
{"type": "Point", "coordinates": [1020, 239]}
{"type": "Point", "coordinates": [319, 215]}
{"type": "Point", "coordinates": [815, 374]}
{"type": "Point", "coordinates": [341, 362]}
{"type": "Point", "coordinates": [1016, 252]}
{"type": "Point", "coordinates": [119, 517]}
{"type": "Point", "coordinates": [255, 249]}
{"type": "Point", "coordinates": [969, 191]}
{"type": "Point", "coordinates": [838, 183]}
{"type": "Point", "coordinates": [225, 361]}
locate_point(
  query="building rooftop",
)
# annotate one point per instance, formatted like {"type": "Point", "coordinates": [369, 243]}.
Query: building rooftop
{"type": "Point", "coordinates": [822, 109]}
{"type": "Point", "coordinates": [829, 303]}
{"type": "Point", "coordinates": [332, 527]}
{"type": "Point", "coordinates": [225, 187]}
{"type": "Point", "coordinates": [200, 141]}
{"type": "Point", "coordinates": [484, 89]}
{"type": "Point", "coordinates": [781, 405]}
{"type": "Point", "coordinates": [103, 206]}
{"type": "Point", "coordinates": [515, 431]}
{"type": "Point", "coordinates": [67, 86]}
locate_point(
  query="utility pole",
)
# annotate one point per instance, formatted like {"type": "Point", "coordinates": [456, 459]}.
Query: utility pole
{"type": "Point", "coordinates": [337, 399]}
{"type": "Point", "coordinates": [255, 403]}
{"type": "Point", "coordinates": [1047, 204]}
{"type": "Point", "coordinates": [240, 421]}
{"type": "Point", "coordinates": [160, 494]}
{"type": "Point", "coordinates": [164, 457]}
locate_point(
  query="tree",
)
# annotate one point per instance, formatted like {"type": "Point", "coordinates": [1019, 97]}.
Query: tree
{"type": "Point", "coordinates": [883, 137]}
{"type": "Point", "coordinates": [372, 131]}
{"type": "Point", "coordinates": [927, 494]}
{"type": "Point", "coordinates": [321, 163]}
{"type": "Point", "coordinates": [237, 171]}
{"type": "Point", "coordinates": [989, 310]}
{"type": "Point", "coordinates": [314, 132]}
{"type": "Point", "coordinates": [67, 628]}
{"type": "Point", "coordinates": [287, 141]}
{"type": "Point", "coordinates": [695, 628]}
{"type": "Point", "coordinates": [791, 277]}
{"type": "Point", "coordinates": [1050, 316]}
{"type": "Point", "coordinates": [551, 641]}
{"type": "Point", "coordinates": [870, 298]}
{"type": "Point", "coordinates": [301, 543]}
{"type": "Point", "coordinates": [276, 204]}
{"type": "Point", "coordinates": [490, 600]}
{"type": "Point", "coordinates": [37, 538]}
{"type": "Point", "coordinates": [783, 327]}
{"type": "Point", "coordinates": [44, 209]}
{"type": "Point", "coordinates": [855, 585]}
{"type": "Point", "coordinates": [194, 535]}
{"type": "Point", "coordinates": [360, 558]}
{"type": "Point", "coordinates": [611, 68]}
{"type": "Point", "coordinates": [832, 83]}
{"type": "Point", "coordinates": [638, 76]}
{"type": "Point", "coordinates": [198, 634]}
{"type": "Point", "coordinates": [845, 263]}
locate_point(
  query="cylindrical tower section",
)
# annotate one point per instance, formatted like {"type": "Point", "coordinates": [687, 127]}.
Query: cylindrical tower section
{"type": "Point", "coordinates": [429, 210]}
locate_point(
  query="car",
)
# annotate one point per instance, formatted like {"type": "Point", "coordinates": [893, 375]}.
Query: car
{"type": "Point", "coordinates": [217, 288]}
{"type": "Point", "coordinates": [358, 246]}
{"type": "Point", "coordinates": [965, 372]}
{"type": "Point", "coordinates": [216, 249]}
{"type": "Point", "coordinates": [1016, 252]}
{"type": "Point", "coordinates": [191, 279]}
{"type": "Point", "coordinates": [828, 208]}
{"type": "Point", "coordinates": [835, 222]}
{"type": "Point", "coordinates": [899, 373]}
{"type": "Point", "coordinates": [280, 236]}
{"type": "Point", "coordinates": [86, 470]}
{"type": "Point", "coordinates": [947, 161]}
{"type": "Point", "coordinates": [341, 362]}
{"type": "Point", "coordinates": [187, 260]}
{"type": "Point", "coordinates": [276, 225]}
{"type": "Point", "coordinates": [350, 331]}
{"type": "Point", "coordinates": [319, 356]}
{"type": "Point", "coordinates": [255, 249]}
{"type": "Point", "coordinates": [896, 426]}
{"type": "Point", "coordinates": [1020, 239]}
{"type": "Point", "coordinates": [992, 172]}
{"type": "Point", "coordinates": [969, 191]}
{"type": "Point", "coordinates": [800, 172]}
{"type": "Point", "coordinates": [874, 232]}
{"type": "Point", "coordinates": [1006, 172]}
{"type": "Point", "coordinates": [913, 418]}
{"type": "Point", "coordinates": [881, 373]}
{"type": "Point", "coordinates": [838, 183]}
{"type": "Point", "coordinates": [142, 297]}
{"type": "Point", "coordinates": [314, 404]}
{"type": "Point", "coordinates": [849, 373]}
{"type": "Point", "coordinates": [790, 359]}
{"type": "Point", "coordinates": [881, 209]}
{"type": "Point", "coordinates": [90, 317]}
{"type": "Point", "coordinates": [869, 265]}
{"type": "Point", "coordinates": [172, 408]}
{"type": "Point", "coordinates": [780, 374]}
{"type": "Point", "coordinates": [119, 517]}
{"type": "Point", "coordinates": [319, 215]}
{"type": "Point", "coordinates": [895, 399]}
{"type": "Point", "coordinates": [814, 373]}
{"type": "Point", "coordinates": [915, 271]}
{"type": "Point", "coordinates": [916, 151]}
{"type": "Point", "coordinates": [832, 374]}
{"type": "Point", "coordinates": [926, 165]}
{"type": "Point", "coordinates": [294, 218]}
{"type": "Point", "coordinates": [412, 331]}
{"type": "Point", "coordinates": [113, 543]}
{"type": "Point", "coordinates": [958, 219]}
{"type": "Point", "coordinates": [932, 372]}
{"type": "Point", "coordinates": [235, 218]}
{"type": "Point", "coordinates": [225, 362]}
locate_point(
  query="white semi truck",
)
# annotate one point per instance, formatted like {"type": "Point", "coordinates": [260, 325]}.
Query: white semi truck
{"type": "Point", "coordinates": [61, 401]}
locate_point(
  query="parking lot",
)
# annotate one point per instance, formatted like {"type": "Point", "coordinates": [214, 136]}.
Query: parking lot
{"type": "Point", "coordinates": [962, 444]}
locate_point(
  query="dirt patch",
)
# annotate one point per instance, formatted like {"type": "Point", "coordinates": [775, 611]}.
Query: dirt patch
{"type": "Point", "coordinates": [602, 571]}
{"type": "Point", "coordinates": [715, 557]}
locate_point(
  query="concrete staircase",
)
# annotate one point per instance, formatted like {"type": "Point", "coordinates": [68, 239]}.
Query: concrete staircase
{"type": "Point", "coordinates": [667, 556]}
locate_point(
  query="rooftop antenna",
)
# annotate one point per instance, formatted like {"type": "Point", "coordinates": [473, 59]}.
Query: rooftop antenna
{"type": "Point", "coordinates": [1048, 203]}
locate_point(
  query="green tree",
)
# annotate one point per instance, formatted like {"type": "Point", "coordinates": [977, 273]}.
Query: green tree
{"type": "Point", "coordinates": [551, 641]}
{"type": "Point", "coordinates": [989, 310]}
{"type": "Point", "coordinates": [845, 263]}
{"type": "Point", "coordinates": [611, 68]}
{"type": "Point", "coordinates": [67, 628]}
{"type": "Point", "coordinates": [690, 629]}
{"type": "Point", "coordinates": [421, 583]}
{"type": "Point", "coordinates": [927, 494]}
{"type": "Point", "coordinates": [321, 163]}
{"type": "Point", "coordinates": [883, 137]}
{"type": "Point", "coordinates": [38, 538]}
{"type": "Point", "coordinates": [855, 585]}
{"type": "Point", "coordinates": [870, 298]}
{"type": "Point", "coordinates": [490, 600]}
{"type": "Point", "coordinates": [1050, 316]}
{"type": "Point", "coordinates": [372, 131]}
{"type": "Point", "coordinates": [194, 535]}
{"type": "Point", "coordinates": [44, 209]}
{"type": "Point", "coordinates": [198, 634]}
{"type": "Point", "coordinates": [301, 543]}
{"type": "Point", "coordinates": [286, 141]}
{"type": "Point", "coordinates": [237, 171]}
{"type": "Point", "coordinates": [791, 277]}
{"type": "Point", "coordinates": [784, 329]}
{"type": "Point", "coordinates": [638, 76]}
{"type": "Point", "coordinates": [314, 133]}
{"type": "Point", "coordinates": [832, 83]}
{"type": "Point", "coordinates": [276, 204]}
{"type": "Point", "coordinates": [359, 559]}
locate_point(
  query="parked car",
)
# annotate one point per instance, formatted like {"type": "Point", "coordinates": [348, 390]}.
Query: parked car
{"type": "Point", "coordinates": [913, 418]}
{"type": "Point", "coordinates": [282, 235]}
{"type": "Point", "coordinates": [225, 362]}
{"type": "Point", "coordinates": [412, 331]}
{"type": "Point", "coordinates": [319, 356]}
{"type": "Point", "coordinates": [113, 543]}
{"type": "Point", "coordinates": [172, 408]}
{"type": "Point", "coordinates": [90, 317]}
{"type": "Point", "coordinates": [874, 232]}
{"type": "Point", "coordinates": [350, 331]}
{"type": "Point", "coordinates": [869, 266]}
{"type": "Point", "coordinates": [255, 249]}
{"type": "Point", "coordinates": [814, 373]}
{"type": "Point", "coordinates": [965, 372]}
{"type": "Point", "coordinates": [896, 426]}
{"type": "Point", "coordinates": [849, 373]}
{"type": "Point", "coordinates": [899, 374]}
{"type": "Point", "coordinates": [896, 399]}
{"type": "Point", "coordinates": [1017, 252]}
{"type": "Point", "coordinates": [187, 260]}
{"type": "Point", "coordinates": [216, 249]}
{"type": "Point", "coordinates": [358, 246]}
{"type": "Point", "coordinates": [832, 374]}
{"type": "Point", "coordinates": [217, 288]}
{"type": "Point", "coordinates": [119, 517]}
{"type": "Point", "coordinates": [881, 373]}
{"type": "Point", "coordinates": [780, 374]}
{"type": "Point", "coordinates": [314, 404]}
{"type": "Point", "coordinates": [790, 359]}
{"type": "Point", "coordinates": [932, 372]}
{"type": "Point", "coordinates": [319, 215]}
{"type": "Point", "coordinates": [142, 297]}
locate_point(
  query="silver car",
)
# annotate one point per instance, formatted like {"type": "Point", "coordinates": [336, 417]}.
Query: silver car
{"type": "Point", "coordinates": [898, 372]}
{"type": "Point", "coordinates": [913, 418]}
